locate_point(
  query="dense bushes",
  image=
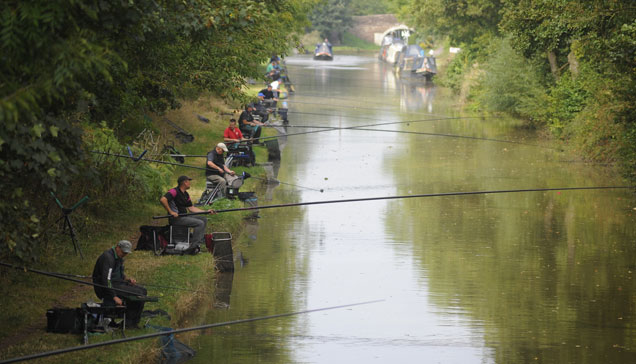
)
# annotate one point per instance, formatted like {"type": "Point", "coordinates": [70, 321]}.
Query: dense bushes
{"type": "Point", "coordinates": [511, 84]}
{"type": "Point", "coordinates": [568, 66]}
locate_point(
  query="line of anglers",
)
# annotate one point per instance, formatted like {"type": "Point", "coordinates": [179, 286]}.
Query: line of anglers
{"type": "Point", "coordinates": [108, 273]}
{"type": "Point", "coordinates": [111, 284]}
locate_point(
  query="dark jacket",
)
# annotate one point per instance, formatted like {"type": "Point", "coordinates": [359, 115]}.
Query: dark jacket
{"type": "Point", "coordinates": [109, 267]}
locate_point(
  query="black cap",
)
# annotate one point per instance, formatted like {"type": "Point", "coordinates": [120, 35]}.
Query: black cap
{"type": "Point", "coordinates": [182, 179]}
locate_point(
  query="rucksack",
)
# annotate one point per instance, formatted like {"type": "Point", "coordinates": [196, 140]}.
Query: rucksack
{"type": "Point", "coordinates": [152, 237]}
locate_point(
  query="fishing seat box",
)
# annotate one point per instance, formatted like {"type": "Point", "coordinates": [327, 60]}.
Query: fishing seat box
{"type": "Point", "coordinates": [63, 320]}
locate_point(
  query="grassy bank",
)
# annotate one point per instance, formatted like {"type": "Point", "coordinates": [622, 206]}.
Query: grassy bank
{"type": "Point", "coordinates": [25, 297]}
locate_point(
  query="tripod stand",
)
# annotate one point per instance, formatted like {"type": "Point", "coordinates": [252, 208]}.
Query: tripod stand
{"type": "Point", "coordinates": [66, 212]}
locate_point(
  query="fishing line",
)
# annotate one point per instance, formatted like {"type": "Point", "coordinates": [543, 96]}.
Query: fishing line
{"type": "Point", "coordinates": [66, 278]}
{"type": "Point", "coordinates": [362, 127]}
{"type": "Point", "coordinates": [177, 331]}
{"type": "Point", "coordinates": [201, 168]}
{"type": "Point", "coordinates": [405, 197]}
{"type": "Point", "coordinates": [459, 136]}
{"type": "Point", "coordinates": [60, 275]}
{"type": "Point", "coordinates": [423, 133]}
{"type": "Point", "coordinates": [368, 118]}
{"type": "Point", "coordinates": [356, 101]}
{"type": "Point", "coordinates": [273, 180]}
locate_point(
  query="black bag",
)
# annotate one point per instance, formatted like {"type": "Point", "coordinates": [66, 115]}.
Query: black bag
{"type": "Point", "coordinates": [151, 235]}
{"type": "Point", "coordinates": [65, 320]}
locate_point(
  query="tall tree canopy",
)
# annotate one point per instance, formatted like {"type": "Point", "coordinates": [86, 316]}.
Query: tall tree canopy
{"type": "Point", "coordinates": [331, 18]}
{"type": "Point", "coordinates": [463, 21]}
{"type": "Point", "coordinates": [91, 61]}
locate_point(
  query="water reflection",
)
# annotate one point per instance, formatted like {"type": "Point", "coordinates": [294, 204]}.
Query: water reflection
{"type": "Point", "coordinates": [537, 277]}
{"type": "Point", "coordinates": [223, 288]}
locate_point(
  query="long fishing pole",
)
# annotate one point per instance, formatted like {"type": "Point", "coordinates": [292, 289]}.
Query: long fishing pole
{"type": "Point", "coordinates": [376, 119]}
{"type": "Point", "coordinates": [199, 168]}
{"type": "Point", "coordinates": [405, 197]}
{"type": "Point", "coordinates": [58, 275]}
{"type": "Point", "coordinates": [272, 180]}
{"type": "Point", "coordinates": [177, 331]}
{"type": "Point", "coordinates": [425, 133]}
{"type": "Point", "coordinates": [361, 126]}
{"type": "Point", "coordinates": [364, 128]}
{"type": "Point", "coordinates": [66, 278]}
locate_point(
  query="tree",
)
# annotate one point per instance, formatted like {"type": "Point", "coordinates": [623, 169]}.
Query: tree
{"type": "Point", "coordinates": [70, 62]}
{"type": "Point", "coordinates": [471, 22]}
{"type": "Point", "coordinates": [331, 18]}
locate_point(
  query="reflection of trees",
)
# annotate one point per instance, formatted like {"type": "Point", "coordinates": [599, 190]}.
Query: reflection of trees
{"type": "Point", "coordinates": [547, 275]}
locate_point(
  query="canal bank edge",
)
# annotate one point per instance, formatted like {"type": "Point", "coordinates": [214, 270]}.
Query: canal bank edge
{"type": "Point", "coordinates": [191, 275]}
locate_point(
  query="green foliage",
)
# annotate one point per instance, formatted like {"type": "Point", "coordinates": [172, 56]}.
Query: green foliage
{"type": "Point", "coordinates": [510, 83]}
{"type": "Point", "coordinates": [114, 62]}
{"type": "Point", "coordinates": [566, 100]}
{"type": "Point", "coordinates": [454, 72]}
{"type": "Point", "coordinates": [124, 178]}
{"type": "Point", "coordinates": [368, 7]}
{"type": "Point", "coordinates": [539, 26]}
{"type": "Point", "coordinates": [331, 18]}
{"type": "Point", "coordinates": [578, 72]}
{"type": "Point", "coordinates": [350, 40]}
{"type": "Point", "coordinates": [471, 22]}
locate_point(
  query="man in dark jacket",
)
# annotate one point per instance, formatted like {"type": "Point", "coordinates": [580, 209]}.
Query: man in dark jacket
{"type": "Point", "coordinates": [114, 287]}
{"type": "Point", "coordinates": [247, 124]}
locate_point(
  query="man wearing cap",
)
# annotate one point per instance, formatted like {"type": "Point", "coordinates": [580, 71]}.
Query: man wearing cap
{"type": "Point", "coordinates": [177, 201]}
{"type": "Point", "coordinates": [114, 287]}
{"type": "Point", "coordinates": [247, 124]}
{"type": "Point", "coordinates": [215, 169]}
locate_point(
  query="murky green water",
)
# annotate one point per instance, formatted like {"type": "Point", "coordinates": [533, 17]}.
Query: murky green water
{"type": "Point", "coordinates": [543, 277]}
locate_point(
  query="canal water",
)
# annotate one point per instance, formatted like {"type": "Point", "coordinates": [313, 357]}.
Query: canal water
{"type": "Point", "coordinates": [544, 277]}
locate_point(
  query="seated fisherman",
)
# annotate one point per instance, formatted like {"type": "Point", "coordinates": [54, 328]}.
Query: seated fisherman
{"type": "Point", "coordinates": [267, 94]}
{"type": "Point", "coordinates": [216, 171]}
{"type": "Point", "coordinates": [273, 70]}
{"type": "Point", "coordinates": [234, 136]}
{"type": "Point", "coordinates": [248, 125]}
{"type": "Point", "coordinates": [177, 201]}
{"type": "Point", "coordinates": [267, 101]}
{"type": "Point", "coordinates": [109, 274]}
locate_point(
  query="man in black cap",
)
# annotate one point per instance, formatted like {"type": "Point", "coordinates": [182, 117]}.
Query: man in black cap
{"type": "Point", "coordinates": [177, 201]}
{"type": "Point", "coordinates": [109, 275]}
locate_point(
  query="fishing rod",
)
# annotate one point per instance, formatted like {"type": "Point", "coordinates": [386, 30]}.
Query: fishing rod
{"type": "Point", "coordinates": [273, 180]}
{"type": "Point", "coordinates": [361, 126]}
{"type": "Point", "coordinates": [364, 127]}
{"type": "Point", "coordinates": [49, 274]}
{"type": "Point", "coordinates": [136, 159]}
{"type": "Point", "coordinates": [424, 133]}
{"type": "Point", "coordinates": [200, 168]}
{"type": "Point", "coordinates": [177, 331]}
{"type": "Point", "coordinates": [117, 280]}
{"type": "Point", "coordinates": [405, 197]}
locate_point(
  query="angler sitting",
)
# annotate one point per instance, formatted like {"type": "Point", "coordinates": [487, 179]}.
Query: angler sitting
{"type": "Point", "coordinates": [267, 94]}
{"type": "Point", "coordinates": [177, 201]}
{"type": "Point", "coordinates": [109, 274]}
{"type": "Point", "coordinates": [267, 102]}
{"type": "Point", "coordinates": [216, 171]}
{"type": "Point", "coordinates": [234, 136]}
{"type": "Point", "coordinates": [247, 124]}
{"type": "Point", "coordinates": [273, 70]}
